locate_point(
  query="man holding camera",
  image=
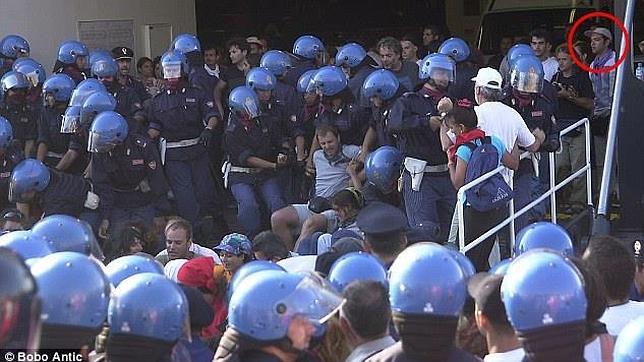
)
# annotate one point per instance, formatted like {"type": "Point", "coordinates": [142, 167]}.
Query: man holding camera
{"type": "Point", "coordinates": [575, 97]}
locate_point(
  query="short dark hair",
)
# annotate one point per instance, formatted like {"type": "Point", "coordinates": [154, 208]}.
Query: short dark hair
{"type": "Point", "coordinates": [324, 128]}
{"type": "Point", "coordinates": [541, 33]}
{"type": "Point", "coordinates": [594, 290]}
{"type": "Point", "coordinates": [349, 197]}
{"type": "Point", "coordinates": [268, 243]}
{"type": "Point", "coordinates": [143, 60]}
{"type": "Point", "coordinates": [179, 223]}
{"type": "Point", "coordinates": [211, 46]}
{"type": "Point", "coordinates": [391, 43]}
{"type": "Point", "coordinates": [412, 38]}
{"type": "Point", "coordinates": [463, 115]}
{"type": "Point", "coordinates": [239, 43]}
{"type": "Point", "coordinates": [367, 308]}
{"type": "Point", "coordinates": [437, 30]}
{"type": "Point", "coordinates": [613, 263]}
{"type": "Point", "coordinates": [386, 243]}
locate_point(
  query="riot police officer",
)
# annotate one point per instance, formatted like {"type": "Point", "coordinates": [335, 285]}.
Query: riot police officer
{"type": "Point", "coordinates": [36, 75]}
{"type": "Point", "coordinates": [51, 144]}
{"type": "Point", "coordinates": [10, 155]}
{"type": "Point", "coordinates": [190, 47]}
{"type": "Point", "coordinates": [381, 88]}
{"type": "Point", "coordinates": [255, 149]}
{"type": "Point", "coordinates": [126, 171]}
{"type": "Point", "coordinates": [459, 50]}
{"type": "Point", "coordinates": [543, 294]}
{"type": "Point", "coordinates": [428, 194]}
{"type": "Point", "coordinates": [123, 57]}
{"type": "Point", "coordinates": [356, 266]}
{"type": "Point", "coordinates": [354, 61]}
{"type": "Point", "coordinates": [75, 294]}
{"type": "Point", "coordinates": [72, 60]}
{"type": "Point", "coordinates": [186, 121]}
{"type": "Point", "coordinates": [425, 311]}
{"type": "Point", "coordinates": [382, 171]}
{"type": "Point", "coordinates": [533, 98]}
{"type": "Point", "coordinates": [126, 266]}
{"type": "Point", "coordinates": [543, 235]}
{"type": "Point", "coordinates": [67, 233]}
{"type": "Point", "coordinates": [22, 114]}
{"type": "Point", "coordinates": [310, 107]}
{"type": "Point", "coordinates": [128, 102]}
{"type": "Point", "coordinates": [311, 54]}
{"type": "Point", "coordinates": [12, 47]}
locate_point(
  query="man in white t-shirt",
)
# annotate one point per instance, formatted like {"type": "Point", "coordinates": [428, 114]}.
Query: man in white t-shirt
{"type": "Point", "coordinates": [616, 268]}
{"type": "Point", "coordinates": [179, 244]}
{"type": "Point", "coordinates": [541, 43]}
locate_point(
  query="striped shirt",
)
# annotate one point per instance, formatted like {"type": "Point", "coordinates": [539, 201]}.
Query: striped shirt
{"type": "Point", "coordinates": [603, 83]}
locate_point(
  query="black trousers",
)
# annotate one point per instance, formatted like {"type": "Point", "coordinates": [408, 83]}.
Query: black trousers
{"type": "Point", "coordinates": [476, 224]}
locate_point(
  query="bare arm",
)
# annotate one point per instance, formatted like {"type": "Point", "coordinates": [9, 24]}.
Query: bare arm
{"type": "Point", "coordinates": [317, 222]}
{"type": "Point", "coordinates": [457, 173]}
{"type": "Point", "coordinates": [257, 162]}
{"type": "Point", "coordinates": [67, 160]}
{"type": "Point", "coordinates": [42, 151]}
{"type": "Point", "coordinates": [219, 92]}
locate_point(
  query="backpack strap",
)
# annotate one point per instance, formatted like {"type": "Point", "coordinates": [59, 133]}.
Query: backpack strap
{"type": "Point", "coordinates": [606, 344]}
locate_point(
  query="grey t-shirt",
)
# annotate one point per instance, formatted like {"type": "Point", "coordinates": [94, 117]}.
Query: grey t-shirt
{"type": "Point", "coordinates": [332, 177]}
{"type": "Point", "coordinates": [408, 75]}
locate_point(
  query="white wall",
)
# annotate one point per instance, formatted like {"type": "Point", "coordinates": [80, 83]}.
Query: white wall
{"type": "Point", "coordinates": [45, 23]}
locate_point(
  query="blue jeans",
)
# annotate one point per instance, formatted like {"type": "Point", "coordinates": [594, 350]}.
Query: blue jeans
{"type": "Point", "coordinates": [434, 203]}
{"type": "Point", "coordinates": [248, 209]}
{"type": "Point", "coordinates": [193, 187]}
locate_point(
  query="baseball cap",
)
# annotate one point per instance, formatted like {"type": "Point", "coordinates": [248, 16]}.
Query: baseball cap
{"type": "Point", "coordinates": [488, 78]}
{"type": "Point", "coordinates": [599, 30]}
{"type": "Point", "coordinates": [485, 288]}
{"type": "Point", "coordinates": [122, 53]}
{"type": "Point", "coordinates": [253, 40]}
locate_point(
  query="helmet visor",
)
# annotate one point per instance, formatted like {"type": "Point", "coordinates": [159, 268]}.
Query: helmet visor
{"type": "Point", "coordinates": [98, 144]}
{"type": "Point", "coordinates": [313, 298]}
{"type": "Point", "coordinates": [79, 95]}
{"type": "Point", "coordinates": [171, 70]}
{"type": "Point", "coordinates": [71, 120]}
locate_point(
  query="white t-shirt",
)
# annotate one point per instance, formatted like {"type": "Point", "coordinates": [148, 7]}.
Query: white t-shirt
{"type": "Point", "coordinates": [502, 121]}
{"type": "Point", "coordinates": [617, 317]}
{"type": "Point", "coordinates": [550, 68]}
{"type": "Point", "coordinates": [509, 356]}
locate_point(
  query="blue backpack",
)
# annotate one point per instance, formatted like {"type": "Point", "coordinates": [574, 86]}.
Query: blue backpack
{"type": "Point", "coordinates": [494, 192]}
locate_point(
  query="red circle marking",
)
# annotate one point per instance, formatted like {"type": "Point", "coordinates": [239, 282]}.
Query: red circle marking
{"type": "Point", "coordinates": [573, 53]}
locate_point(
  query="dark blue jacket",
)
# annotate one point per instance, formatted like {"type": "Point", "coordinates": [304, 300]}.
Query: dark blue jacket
{"type": "Point", "coordinates": [289, 97]}
{"type": "Point", "coordinates": [49, 130]}
{"type": "Point", "coordinates": [293, 75]}
{"type": "Point", "coordinates": [351, 121]}
{"type": "Point", "coordinates": [12, 156]}
{"type": "Point", "coordinates": [65, 194]}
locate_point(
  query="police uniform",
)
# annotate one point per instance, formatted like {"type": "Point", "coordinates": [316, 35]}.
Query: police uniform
{"type": "Point", "coordinates": [200, 79]}
{"type": "Point", "coordinates": [49, 134]}
{"type": "Point", "coordinates": [129, 105]}
{"type": "Point", "coordinates": [287, 95]}
{"type": "Point", "coordinates": [65, 194]}
{"type": "Point", "coordinates": [11, 157]}
{"type": "Point", "coordinates": [129, 180]}
{"type": "Point", "coordinates": [180, 116]}
{"type": "Point", "coordinates": [381, 218]}
{"type": "Point", "coordinates": [538, 113]}
{"type": "Point", "coordinates": [258, 138]}
{"type": "Point", "coordinates": [130, 82]}
{"type": "Point", "coordinates": [428, 193]}
{"type": "Point", "coordinates": [350, 120]}
{"type": "Point", "coordinates": [73, 72]}
{"type": "Point", "coordinates": [463, 87]}
{"type": "Point", "coordinates": [378, 121]}
{"type": "Point", "coordinates": [293, 75]}
{"type": "Point", "coordinates": [356, 82]}
{"type": "Point", "coordinates": [395, 353]}
{"type": "Point", "coordinates": [23, 118]}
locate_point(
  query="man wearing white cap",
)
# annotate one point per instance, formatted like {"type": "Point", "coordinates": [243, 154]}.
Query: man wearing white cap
{"type": "Point", "coordinates": [603, 85]}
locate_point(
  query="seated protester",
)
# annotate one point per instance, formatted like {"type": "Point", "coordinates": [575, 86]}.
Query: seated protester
{"type": "Point", "coordinates": [128, 239]}
{"type": "Point", "coordinates": [637, 290]}
{"type": "Point", "coordinates": [256, 150]}
{"type": "Point", "coordinates": [463, 122]}
{"type": "Point", "coordinates": [346, 206]}
{"type": "Point", "coordinates": [332, 174]}
{"type": "Point", "coordinates": [12, 220]}
{"type": "Point", "coordinates": [382, 89]}
{"type": "Point", "coordinates": [55, 192]}
{"type": "Point", "coordinates": [385, 231]}
{"type": "Point", "coordinates": [616, 267]}
{"type": "Point", "coordinates": [234, 250]}
{"type": "Point", "coordinates": [179, 243]}
{"type": "Point", "coordinates": [268, 246]}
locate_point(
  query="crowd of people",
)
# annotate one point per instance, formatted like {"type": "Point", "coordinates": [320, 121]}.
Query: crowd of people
{"type": "Point", "coordinates": [343, 166]}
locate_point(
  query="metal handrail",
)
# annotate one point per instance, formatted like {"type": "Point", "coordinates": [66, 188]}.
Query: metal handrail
{"type": "Point", "coordinates": [551, 192]}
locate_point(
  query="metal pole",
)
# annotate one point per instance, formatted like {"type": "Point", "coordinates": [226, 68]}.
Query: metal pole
{"type": "Point", "coordinates": [553, 196]}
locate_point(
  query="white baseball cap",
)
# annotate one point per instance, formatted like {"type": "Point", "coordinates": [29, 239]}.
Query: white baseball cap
{"type": "Point", "coordinates": [488, 78]}
{"type": "Point", "coordinates": [601, 31]}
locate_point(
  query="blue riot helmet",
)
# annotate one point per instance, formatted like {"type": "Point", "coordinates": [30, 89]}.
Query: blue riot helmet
{"type": "Point", "coordinates": [350, 55]}
{"type": "Point", "coordinates": [70, 50]}
{"type": "Point", "coordinates": [456, 48]}
{"type": "Point", "coordinates": [439, 68]}
{"type": "Point", "coordinates": [244, 103]}
{"type": "Point", "coordinates": [542, 288]}
{"type": "Point", "coordinates": [527, 75]}
{"type": "Point", "coordinates": [13, 80]}
{"type": "Point", "coordinates": [148, 305]}
{"type": "Point", "coordinates": [356, 266]}
{"type": "Point", "coordinates": [517, 51]}
{"type": "Point", "coordinates": [174, 64]}
{"type": "Point", "coordinates": [20, 317]}
{"type": "Point", "coordinates": [124, 267]}
{"type": "Point", "coordinates": [14, 46]}
{"type": "Point", "coordinates": [84, 90]}
{"type": "Point", "coordinates": [629, 346]}
{"type": "Point", "coordinates": [304, 83]}
{"type": "Point", "coordinates": [328, 81]}
{"type": "Point", "coordinates": [413, 291]}
{"type": "Point", "coordinates": [33, 70]}
{"type": "Point", "coordinates": [308, 47]}
{"type": "Point", "coordinates": [501, 267]}
{"type": "Point", "coordinates": [105, 67]}
{"type": "Point", "coordinates": [6, 133]}
{"type": "Point", "coordinates": [66, 233]}
{"type": "Point", "coordinates": [382, 168]}
{"type": "Point", "coordinates": [97, 54]}
{"type": "Point", "coordinates": [60, 86]}
{"type": "Point", "coordinates": [464, 262]}
{"type": "Point", "coordinates": [26, 245]}
{"type": "Point", "coordinates": [109, 129]}
{"type": "Point", "coordinates": [263, 306]}
{"type": "Point", "coordinates": [260, 78]}
{"type": "Point", "coordinates": [277, 61]}
{"type": "Point", "coordinates": [381, 83]}
{"type": "Point", "coordinates": [96, 103]}
{"type": "Point", "coordinates": [543, 235]}
{"type": "Point", "coordinates": [186, 43]}
{"type": "Point", "coordinates": [248, 269]}
{"type": "Point", "coordinates": [28, 177]}
{"type": "Point", "coordinates": [74, 290]}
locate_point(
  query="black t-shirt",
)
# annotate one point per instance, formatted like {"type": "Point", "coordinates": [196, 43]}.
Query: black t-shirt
{"type": "Point", "coordinates": [580, 84]}
{"type": "Point", "coordinates": [233, 77]}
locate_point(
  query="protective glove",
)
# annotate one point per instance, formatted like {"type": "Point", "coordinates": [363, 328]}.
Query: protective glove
{"type": "Point", "coordinates": [205, 137]}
